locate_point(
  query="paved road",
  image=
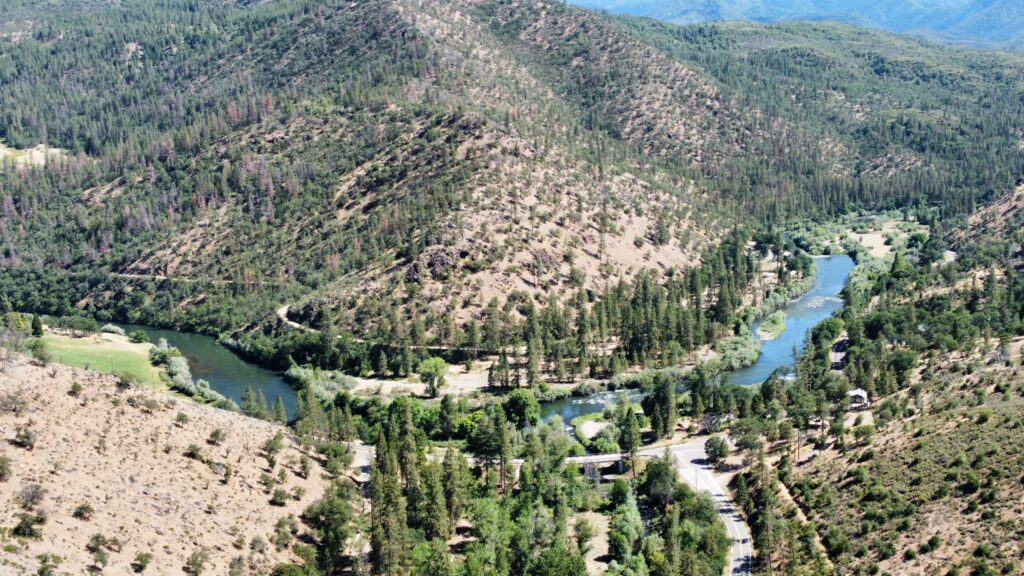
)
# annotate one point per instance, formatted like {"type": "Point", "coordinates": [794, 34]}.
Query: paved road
{"type": "Point", "coordinates": [690, 460]}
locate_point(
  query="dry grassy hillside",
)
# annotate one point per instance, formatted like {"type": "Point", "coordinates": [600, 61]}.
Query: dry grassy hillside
{"type": "Point", "coordinates": [936, 490]}
{"type": "Point", "coordinates": [125, 455]}
{"type": "Point", "coordinates": [994, 220]}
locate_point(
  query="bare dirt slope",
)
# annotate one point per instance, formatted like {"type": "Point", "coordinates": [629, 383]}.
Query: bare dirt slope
{"type": "Point", "coordinates": [123, 453]}
{"type": "Point", "coordinates": [994, 220]}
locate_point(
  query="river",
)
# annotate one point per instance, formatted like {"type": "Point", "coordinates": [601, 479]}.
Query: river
{"type": "Point", "coordinates": [802, 314]}
{"type": "Point", "coordinates": [226, 372]}
{"type": "Point", "coordinates": [229, 374]}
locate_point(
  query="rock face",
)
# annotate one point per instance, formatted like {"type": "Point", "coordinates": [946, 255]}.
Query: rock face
{"type": "Point", "coordinates": [123, 453]}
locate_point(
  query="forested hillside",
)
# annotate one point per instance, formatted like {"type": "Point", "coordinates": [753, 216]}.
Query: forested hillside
{"type": "Point", "coordinates": [395, 168]}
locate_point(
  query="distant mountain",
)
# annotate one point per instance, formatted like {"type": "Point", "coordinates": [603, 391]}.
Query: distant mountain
{"type": "Point", "coordinates": [992, 23]}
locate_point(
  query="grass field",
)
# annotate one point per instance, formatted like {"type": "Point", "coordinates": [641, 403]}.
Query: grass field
{"type": "Point", "coordinates": [107, 353]}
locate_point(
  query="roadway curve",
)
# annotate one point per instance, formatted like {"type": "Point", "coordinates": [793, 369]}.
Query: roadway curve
{"type": "Point", "coordinates": [692, 468]}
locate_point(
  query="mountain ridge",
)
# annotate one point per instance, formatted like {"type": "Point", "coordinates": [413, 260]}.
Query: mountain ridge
{"type": "Point", "coordinates": [981, 23]}
{"type": "Point", "coordinates": [400, 160]}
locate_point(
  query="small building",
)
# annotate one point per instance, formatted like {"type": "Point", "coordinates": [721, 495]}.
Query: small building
{"type": "Point", "coordinates": [858, 399]}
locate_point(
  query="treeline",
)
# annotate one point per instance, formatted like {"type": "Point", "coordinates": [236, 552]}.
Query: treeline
{"type": "Point", "coordinates": [653, 320]}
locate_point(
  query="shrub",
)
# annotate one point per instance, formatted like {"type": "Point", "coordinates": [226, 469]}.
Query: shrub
{"type": "Point", "coordinates": [83, 512]}
{"type": "Point", "coordinates": [274, 444]}
{"type": "Point", "coordinates": [931, 545]}
{"type": "Point", "coordinates": [48, 564]}
{"type": "Point", "coordinates": [5, 469]}
{"type": "Point", "coordinates": [138, 337]}
{"type": "Point", "coordinates": [971, 483]}
{"type": "Point", "coordinates": [217, 437]}
{"type": "Point", "coordinates": [124, 381]}
{"type": "Point", "coordinates": [100, 559]}
{"type": "Point", "coordinates": [258, 545]}
{"type": "Point", "coordinates": [13, 403]}
{"type": "Point", "coordinates": [99, 542]}
{"type": "Point", "coordinates": [40, 353]}
{"type": "Point", "coordinates": [280, 497]}
{"type": "Point", "coordinates": [112, 329]}
{"type": "Point", "coordinates": [984, 416]}
{"type": "Point", "coordinates": [194, 452]}
{"type": "Point", "coordinates": [75, 391]}
{"type": "Point", "coordinates": [28, 525]}
{"type": "Point", "coordinates": [141, 562]}
{"type": "Point", "coordinates": [196, 562]}
{"type": "Point", "coordinates": [30, 496]}
{"type": "Point", "coordinates": [836, 542]}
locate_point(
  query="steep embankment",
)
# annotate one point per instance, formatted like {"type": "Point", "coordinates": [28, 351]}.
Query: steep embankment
{"type": "Point", "coordinates": [935, 486]}
{"type": "Point", "coordinates": [140, 467]}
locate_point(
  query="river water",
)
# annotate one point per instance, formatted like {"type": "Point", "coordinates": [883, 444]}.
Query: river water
{"type": "Point", "coordinates": [229, 374]}
{"type": "Point", "coordinates": [226, 372]}
{"type": "Point", "coordinates": [802, 314]}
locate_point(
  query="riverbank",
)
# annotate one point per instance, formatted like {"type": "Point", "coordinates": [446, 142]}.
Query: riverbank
{"type": "Point", "coordinates": [772, 326]}
{"type": "Point", "coordinates": [105, 353]}
{"type": "Point", "coordinates": [801, 315]}
{"type": "Point", "coordinates": [221, 369]}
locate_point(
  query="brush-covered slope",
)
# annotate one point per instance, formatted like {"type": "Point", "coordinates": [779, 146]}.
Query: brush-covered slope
{"type": "Point", "coordinates": [360, 161]}
{"type": "Point", "coordinates": [937, 486]}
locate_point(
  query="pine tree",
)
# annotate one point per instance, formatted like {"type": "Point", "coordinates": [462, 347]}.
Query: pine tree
{"type": "Point", "coordinates": [492, 377]}
{"type": "Point", "coordinates": [671, 534]}
{"type": "Point", "coordinates": [280, 414]}
{"type": "Point", "coordinates": [409, 460]}
{"type": "Point", "coordinates": [313, 422]}
{"type": "Point", "coordinates": [264, 407]}
{"type": "Point", "coordinates": [37, 326]}
{"type": "Point", "coordinates": [433, 512]}
{"type": "Point", "coordinates": [742, 495]}
{"type": "Point", "coordinates": [382, 365]}
{"type": "Point", "coordinates": [453, 478]}
{"type": "Point", "coordinates": [389, 551]}
{"type": "Point", "coordinates": [629, 437]}
{"type": "Point", "coordinates": [251, 403]}
{"type": "Point", "coordinates": [503, 370]}
{"type": "Point", "coordinates": [534, 352]}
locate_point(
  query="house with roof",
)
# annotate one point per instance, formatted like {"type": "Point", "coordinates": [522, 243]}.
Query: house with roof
{"type": "Point", "coordinates": [859, 399]}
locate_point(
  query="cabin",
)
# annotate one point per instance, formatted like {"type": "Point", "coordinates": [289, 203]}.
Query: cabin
{"type": "Point", "coordinates": [858, 399]}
